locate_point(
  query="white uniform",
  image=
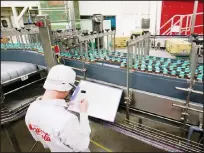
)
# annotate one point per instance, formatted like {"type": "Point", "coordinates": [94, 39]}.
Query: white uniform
{"type": "Point", "coordinates": [56, 128]}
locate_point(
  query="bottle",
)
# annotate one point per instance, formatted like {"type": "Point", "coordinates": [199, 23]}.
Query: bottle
{"type": "Point", "coordinates": [200, 77]}
{"type": "Point", "coordinates": [157, 70]}
{"type": "Point", "coordinates": [173, 73]}
{"type": "Point", "coordinates": [142, 68]}
{"type": "Point", "coordinates": [122, 65]}
{"type": "Point", "coordinates": [149, 69]}
{"type": "Point", "coordinates": [107, 59]}
{"type": "Point", "coordinates": [181, 74]}
{"type": "Point", "coordinates": [118, 60]}
{"type": "Point", "coordinates": [136, 66]}
{"type": "Point", "coordinates": [165, 72]}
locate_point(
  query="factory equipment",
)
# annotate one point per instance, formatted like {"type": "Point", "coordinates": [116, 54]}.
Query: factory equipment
{"type": "Point", "coordinates": [145, 24]}
{"type": "Point", "coordinates": [178, 47]}
{"type": "Point", "coordinates": [97, 24]}
{"type": "Point", "coordinates": [5, 22]}
{"type": "Point", "coordinates": [149, 83]}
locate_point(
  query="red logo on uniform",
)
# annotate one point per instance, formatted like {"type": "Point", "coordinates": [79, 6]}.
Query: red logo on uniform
{"type": "Point", "coordinates": [38, 131]}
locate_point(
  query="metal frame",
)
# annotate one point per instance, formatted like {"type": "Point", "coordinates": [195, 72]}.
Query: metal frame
{"type": "Point", "coordinates": [194, 58]}
{"type": "Point", "coordinates": [46, 39]}
{"type": "Point", "coordinates": [83, 40]}
{"type": "Point", "coordinates": [139, 46]}
{"type": "Point", "coordinates": [16, 17]}
{"type": "Point", "coordinates": [194, 61]}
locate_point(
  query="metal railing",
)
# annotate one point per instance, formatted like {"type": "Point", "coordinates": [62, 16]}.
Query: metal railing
{"type": "Point", "coordinates": [136, 49]}
{"type": "Point", "coordinates": [179, 21]}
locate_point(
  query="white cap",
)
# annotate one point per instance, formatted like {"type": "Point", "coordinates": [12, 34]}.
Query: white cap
{"type": "Point", "coordinates": [59, 78]}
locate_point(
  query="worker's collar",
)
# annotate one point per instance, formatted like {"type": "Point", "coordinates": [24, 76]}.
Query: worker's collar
{"type": "Point", "coordinates": [57, 102]}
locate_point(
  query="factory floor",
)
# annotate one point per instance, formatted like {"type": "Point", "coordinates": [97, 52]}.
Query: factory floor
{"type": "Point", "coordinates": [104, 139]}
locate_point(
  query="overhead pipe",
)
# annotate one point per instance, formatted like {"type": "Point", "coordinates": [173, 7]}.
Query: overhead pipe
{"type": "Point", "coordinates": [22, 13]}
{"type": "Point", "coordinates": [15, 17]}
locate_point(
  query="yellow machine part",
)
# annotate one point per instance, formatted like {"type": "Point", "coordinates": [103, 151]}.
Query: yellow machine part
{"type": "Point", "coordinates": [120, 42]}
{"type": "Point", "coordinates": [175, 46]}
{"type": "Point", "coordinates": [137, 32]}
{"type": "Point", "coordinates": [5, 40]}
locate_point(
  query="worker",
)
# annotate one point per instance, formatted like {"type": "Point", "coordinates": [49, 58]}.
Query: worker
{"type": "Point", "coordinates": [50, 122]}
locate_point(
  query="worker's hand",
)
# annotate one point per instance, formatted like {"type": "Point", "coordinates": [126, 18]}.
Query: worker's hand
{"type": "Point", "coordinates": [83, 106]}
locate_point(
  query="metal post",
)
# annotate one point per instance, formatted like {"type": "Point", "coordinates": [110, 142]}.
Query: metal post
{"type": "Point", "coordinates": [111, 40]}
{"type": "Point", "coordinates": [194, 61]}
{"type": "Point", "coordinates": [139, 50]}
{"type": "Point", "coordinates": [143, 47]}
{"type": "Point", "coordinates": [180, 26]}
{"type": "Point", "coordinates": [98, 46]}
{"type": "Point", "coordinates": [92, 45]}
{"type": "Point", "coordinates": [156, 18]}
{"type": "Point", "coordinates": [107, 44]}
{"type": "Point", "coordinates": [194, 58]}
{"type": "Point", "coordinates": [36, 37]}
{"type": "Point", "coordinates": [83, 60]}
{"type": "Point", "coordinates": [114, 41]}
{"type": "Point", "coordinates": [26, 37]}
{"type": "Point", "coordinates": [187, 19]}
{"type": "Point", "coordinates": [130, 56]}
{"type": "Point", "coordinates": [72, 14]}
{"type": "Point", "coordinates": [103, 43]}
{"type": "Point", "coordinates": [46, 39]}
{"type": "Point", "coordinates": [15, 17]}
{"type": "Point", "coordinates": [86, 51]}
{"type": "Point", "coordinates": [22, 43]}
{"type": "Point", "coordinates": [22, 13]}
{"type": "Point", "coordinates": [194, 15]}
{"type": "Point", "coordinates": [128, 92]}
{"type": "Point", "coordinates": [80, 48]}
{"type": "Point", "coordinates": [192, 23]}
{"type": "Point", "coordinates": [172, 22]}
{"type": "Point", "coordinates": [148, 45]}
{"type": "Point", "coordinates": [135, 53]}
{"type": "Point", "coordinates": [11, 39]}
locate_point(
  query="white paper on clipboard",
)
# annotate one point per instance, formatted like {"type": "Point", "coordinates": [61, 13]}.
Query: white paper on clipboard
{"type": "Point", "coordinates": [103, 100]}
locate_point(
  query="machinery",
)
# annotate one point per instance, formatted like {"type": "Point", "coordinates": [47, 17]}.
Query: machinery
{"type": "Point", "coordinates": [164, 89]}
{"type": "Point", "coordinates": [97, 24]}
{"type": "Point", "coordinates": [174, 46]}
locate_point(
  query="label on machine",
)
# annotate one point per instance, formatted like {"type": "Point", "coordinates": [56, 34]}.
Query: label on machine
{"type": "Point", "coordinates": [24, 77]}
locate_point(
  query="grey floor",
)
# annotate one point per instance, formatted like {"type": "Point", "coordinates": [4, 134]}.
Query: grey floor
{"type": "Point", "coordinates": [103, 136]}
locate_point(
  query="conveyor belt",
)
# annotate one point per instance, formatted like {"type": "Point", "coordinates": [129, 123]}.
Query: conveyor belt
{"type": "Point", "coordinates": [15, 106]}
{"type": "Point", "coordinates": [12, 71]}
{"type": "Point", "coordinates": [139, 80]}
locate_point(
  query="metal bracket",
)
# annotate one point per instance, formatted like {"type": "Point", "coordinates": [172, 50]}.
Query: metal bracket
{"type": "Point", "coordinates": [128, 98]}
{"type": "Point", "coordinates": [182, 118]}
{"type": "Point", "coordinates": [187, 108]}
{"type": "Point", "coordinates": [189, 90]}
{"type": "Point", "coordinates": [189, 81]}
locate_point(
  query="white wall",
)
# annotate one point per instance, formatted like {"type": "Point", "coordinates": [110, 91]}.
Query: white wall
{"type": "Point", "coordinates": [19, 3]}
{"type": "Point", "coordinates": [128, 13]}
